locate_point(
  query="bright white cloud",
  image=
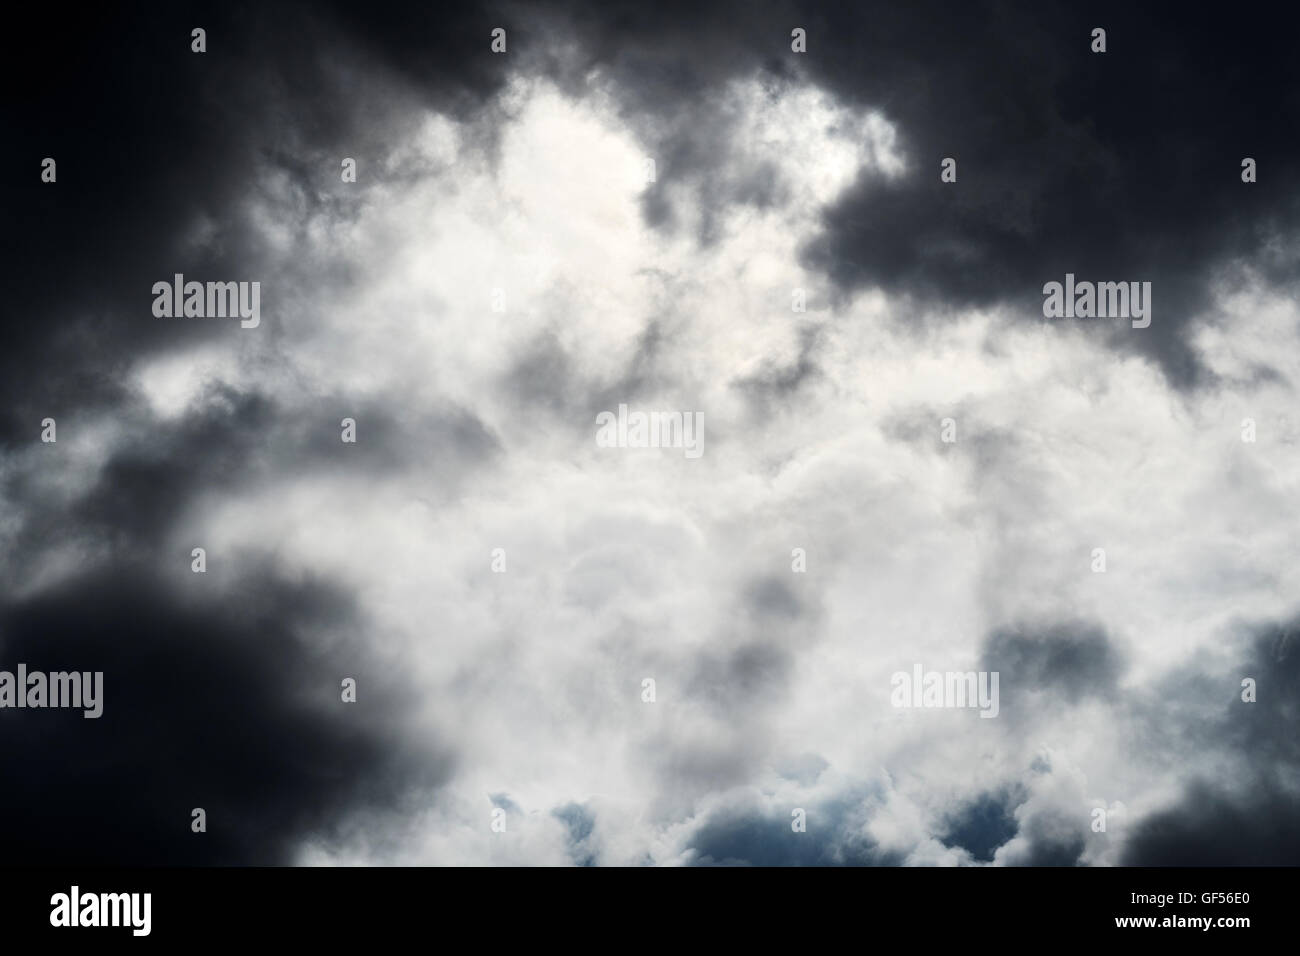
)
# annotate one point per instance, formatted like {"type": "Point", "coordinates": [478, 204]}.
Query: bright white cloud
{"type": "Point", "coordinates": [625, 564]}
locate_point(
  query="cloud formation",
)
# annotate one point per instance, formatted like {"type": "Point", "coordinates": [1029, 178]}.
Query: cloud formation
{"type": "Point", "coordinates": [501, 272]}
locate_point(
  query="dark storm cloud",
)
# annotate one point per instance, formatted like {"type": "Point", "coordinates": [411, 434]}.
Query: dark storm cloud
{"type": "Point", "coordinates": [1111, 166]}
{"type": "Point", "coordinates": [1249, 814]}
{"type": "Point", "coordinates": [1266, 728]}
{"type": "Point", "coordinates": [143, 489]}
{"type": "Point", "coordinates": [1068, 660]}
{"type": "Point", "coordinates": [1105, 165]}
{"type": "Point", "coordinates": [228, 441]}
{"type": "Point", "coordinates": [1118, 166]}
{"type": "Point", "coordinates": [1122, 166]}
{"type": "Point", "coordinates": [152, 139]}
{"type": "Point", "coordinates": [1211, 826]}
{"type": "Point", "coordinates": [229, 703]}
{"type": "Point", "coordinates": [1050, 845]}
{"type": "Point", "coordinates": [126, 115]}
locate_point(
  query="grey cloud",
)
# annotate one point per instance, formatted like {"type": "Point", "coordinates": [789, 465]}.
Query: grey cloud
{"type": "Point", "coordinates": [231, 703]}
{"type": "Point", "coordinates": [1247, 813]}
{"type": "Point", "coordinates": [1068, 660]}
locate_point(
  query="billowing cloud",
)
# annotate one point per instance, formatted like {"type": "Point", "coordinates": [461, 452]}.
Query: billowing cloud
{"type": "Point", "coordinates": [567, 653]}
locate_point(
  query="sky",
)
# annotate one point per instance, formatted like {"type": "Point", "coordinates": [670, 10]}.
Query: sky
{"type": "Point", "coordinates": [626, 207]}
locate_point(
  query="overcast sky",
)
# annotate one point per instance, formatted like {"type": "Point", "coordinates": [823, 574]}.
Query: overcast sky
{"type": "Point", "coordinates": [499, 274]}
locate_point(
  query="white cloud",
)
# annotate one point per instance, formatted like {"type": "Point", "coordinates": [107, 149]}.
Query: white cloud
{"type": "Point", "coordinates": [624, 564]}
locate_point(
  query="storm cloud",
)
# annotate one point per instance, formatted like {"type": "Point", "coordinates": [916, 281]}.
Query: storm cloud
{"type": "Point", "coordinates": [633, 656]}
